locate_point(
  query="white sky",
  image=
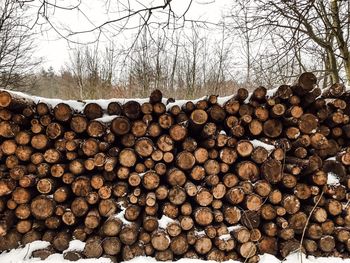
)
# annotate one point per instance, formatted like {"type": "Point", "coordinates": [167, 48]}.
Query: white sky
{"type": "Point", "coordinates": [55, 50]}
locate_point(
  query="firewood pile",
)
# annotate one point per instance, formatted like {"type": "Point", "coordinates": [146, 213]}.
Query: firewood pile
{"type": "Point", "coordinates": [266, 172]}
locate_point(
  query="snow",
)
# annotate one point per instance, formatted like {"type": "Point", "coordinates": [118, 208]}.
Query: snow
{"type": "Point", "coordinates": [142, 174]}
{"type": "Point", "coordinates": [121, 214]}
{"type": "Point", "coordinates": [106, 118]}
{"type": "Point", "coordinates": [164, 221]}
{"type": "Point", "coordinates": [257, 143]}
{"type": "Point", "coordinates": [77, 105]}
{"type": "Point", "coordinates": [332, 179]}
{"type": "Point", "coordinates": [225, 237]}
{"type": "Point", "coordinates": [182, 102]}
{"type": "Point", "coordinates": [233, 228]}
{"type": "Point", "coordinates": [75, 245]}
{"type": "Point", "coordinates": [199, 233]}
{"type": "Point", "coordinates": [223, 100]}
{"type": "Point", "coordinates": [248, 98]}
{"type": "Point", "coordinates": [297, 135]}
{"type": "Point", "coordinates": [22, 255]}
{"type": "Point", "coordinates": [271, 92]}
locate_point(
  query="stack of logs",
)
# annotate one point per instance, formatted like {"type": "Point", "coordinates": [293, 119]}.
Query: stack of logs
{"type": "Point", "coordinates": [266, 172]}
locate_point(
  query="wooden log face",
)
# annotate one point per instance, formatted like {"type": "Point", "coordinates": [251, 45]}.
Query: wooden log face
{"type": "Point", "coordinates": [139, 128]}
{"type": "Point", "coordinates": [62, 112]}
{"type": "Point", "coordinates": [204, 197]}
{"type": "Point", "coordinates": [228, 155]}
{"type": "Point", "coordinates": [54, 130]}
{"type": "Point", "coordinates": [177, 195]}
{"type": "Point", "coordinates": [127, 157]}
{"type": "Point", "coordinates": [247, 170]}
{"type": "Point", "coordinates": [112, 227]}
{"type": "Point", "coordinates": [308, 123]}
{"type": "Point", "coordinates": [297, 221]}
{"type": "Point", "coordinates": [203, 216]}
{"type": "Point", "coordinates": [185, 160]}
{"type": "Point", "coordinates": [235, 195]}
{"type": "Point", "coordinates": [132, 109]}
{"type": "Point", "coordinates": [307, 81]}
{"type": "Point", "coordinates": [203, 245]}
{"type": "Point", "coordinates": [144, 147]}
{"type": "Point", "coordinates": [5, 99]}
{"type": "Point", "coordinates": [160, 241]}
{"type": "Point", "coordinates": [120, 126]}
{"type": "Point", "coordinates": [178, 132]}
{"type": "Point", "coordinates": [93, 111]}
{"type": "Point", "coordinates": [232, 215]}
{"type": "Point", "coordinates": [95, 129]}
{"type": "Point", "coordinates": [81, 186]}
{"type": "Point", "coordinates": [179, 245]}
{"type": "Point", "coordinates": [176, 177]}
{"type": "Point", "coordinates": [150, 180]}
{"type": "Point", "coordinates": [199, 117]}
{"type": "Point", "coordinates": [253, 202]}
{"type": "Point", "coordinates": [272, 128]}
{"type": "Point", "coordinates": [247, 249]}
{"type": "Point", "coordinates": [7, 130]}
{"type": "Point", "coordinates": [291, 203]}
{"type": "Point", "coordinates": [42, 207]}
{"type": "Point", "coordinates": [272, 170]}
{"type": "Point", "coordinates": [114, 108]}
{"type": "Point", "coordinates": [327, 243]}
{"type": "Point", "coordinates": [244, 148]}
{"type": "Point", "coordinates": [165, 143]}
{"type": "Point", "coordinates": [78, 123]}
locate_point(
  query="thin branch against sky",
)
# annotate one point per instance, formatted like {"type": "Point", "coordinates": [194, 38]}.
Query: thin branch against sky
{"type": "Point", "coordinates": [87, 22]}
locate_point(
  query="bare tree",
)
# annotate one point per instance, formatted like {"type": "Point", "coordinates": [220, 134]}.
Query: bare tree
{"type": "Point", "coordinates": [299, 27]}
{"type": "Point", "coordinates": [92, 71]}
{"type": "Point", "coordinates": [16, 45]}
{"type": "Point", "coordinates": [222, 53]}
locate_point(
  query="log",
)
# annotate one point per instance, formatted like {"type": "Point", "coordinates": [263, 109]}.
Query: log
{"type": "Point", "coordinates": [78, 123]}
{"type": "Point", "coordinates": [62, 112]}
{"type": "Point", "coordinates": [203, 245]}
{"type": "Point", "coordinates": [93, 111]}
{"type": "Point", "coordinates": [272, 128]}
{"type": "Point", "coordinates": [42, 207]}
{"type": "Point", "coordinates": [120, 126]}
{"type": "Point", "coordinates": [272, 170]}
{"type": "Point", "coordinates": [93, 248]}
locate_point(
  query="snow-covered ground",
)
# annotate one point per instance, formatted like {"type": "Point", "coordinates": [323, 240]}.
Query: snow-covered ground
{"type": "Point", "coordinates": [23, 255]}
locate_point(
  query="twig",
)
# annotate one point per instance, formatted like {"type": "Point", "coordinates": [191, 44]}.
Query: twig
{"type": "Point", "coordinates": [306, 224]}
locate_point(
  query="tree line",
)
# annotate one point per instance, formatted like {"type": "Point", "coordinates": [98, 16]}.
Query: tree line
{"type": "Point", "coordinates": [255, 43]}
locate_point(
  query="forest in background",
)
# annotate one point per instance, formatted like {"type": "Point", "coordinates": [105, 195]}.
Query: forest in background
{"type": "Point", "coordinates": [259, 42]}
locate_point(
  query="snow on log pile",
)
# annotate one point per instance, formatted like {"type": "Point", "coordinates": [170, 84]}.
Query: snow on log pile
{"type": "Point", "coordinates": [215, 178]}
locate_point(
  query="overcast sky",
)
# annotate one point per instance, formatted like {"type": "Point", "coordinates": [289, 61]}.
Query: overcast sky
{"type": "Point", "coordinates": [55, 50]}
